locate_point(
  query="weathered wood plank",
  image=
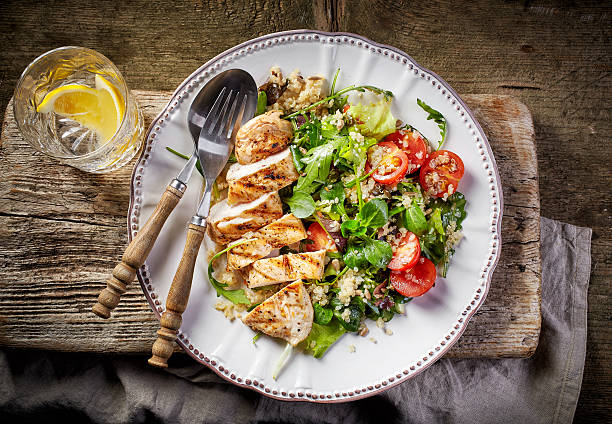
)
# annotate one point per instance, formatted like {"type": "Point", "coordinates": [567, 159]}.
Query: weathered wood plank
{"type": "Point", "coordinates": [62, 232]}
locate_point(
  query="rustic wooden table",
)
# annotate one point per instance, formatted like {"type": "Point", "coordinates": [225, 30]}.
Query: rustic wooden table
{"type": "Point", "coordinates": [555, 58]}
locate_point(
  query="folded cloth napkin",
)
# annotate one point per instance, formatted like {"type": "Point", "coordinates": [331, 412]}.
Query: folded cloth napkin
{"type": "Point", "coordinates": [543, 388]}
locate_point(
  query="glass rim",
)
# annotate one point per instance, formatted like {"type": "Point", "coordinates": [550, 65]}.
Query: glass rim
{"type": "Point", "coordinates": [42, 56]}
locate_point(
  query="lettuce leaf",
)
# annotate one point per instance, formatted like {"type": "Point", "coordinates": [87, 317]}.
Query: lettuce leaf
{"type": "Point", "coordinates": [323, 337]}
{"type": "Point", "coordinates": [376, 118]}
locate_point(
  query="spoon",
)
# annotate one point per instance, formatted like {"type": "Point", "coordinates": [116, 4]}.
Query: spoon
{"type": "Point", "coordinates": [214, 147]}
{"type": "Point", "coordinates": [137, 251]}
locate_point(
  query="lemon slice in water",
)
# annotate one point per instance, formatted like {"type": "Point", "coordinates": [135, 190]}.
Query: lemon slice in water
{"type": "Point", "coordinates": [99, 109]}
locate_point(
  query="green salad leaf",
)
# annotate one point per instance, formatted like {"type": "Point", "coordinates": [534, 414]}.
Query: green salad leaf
{"type": "Point", "coordinates": [322, 315]}
{"type": "Point", "coordinates": [355, 257]}
{"type": "Point", "coordinates": [374, 120]}
{"type": "Point", "coordinates": [321, 337]}
{"type": "Point", "coordinates": [414, 219]}
{"type": "Point", "coordinates": [374, 214]}
{"type": "Point", "coordinates": [302, 204]}
{"type": "Point", "coordinates": [436, 219]}
{"type": "Point", "coordinates": [378, 252]}
{"type": "Point", "coordinates": [356, 312]}
{"type": "Point", "coordinates": [334, 193]}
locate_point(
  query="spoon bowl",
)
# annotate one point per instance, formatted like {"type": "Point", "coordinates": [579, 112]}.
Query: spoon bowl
{"type": "Point", "coordinates": [236, 80]}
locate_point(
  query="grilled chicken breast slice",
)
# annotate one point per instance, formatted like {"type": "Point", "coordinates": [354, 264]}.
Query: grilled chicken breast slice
{"type": "Point", "coordinates": [228, 223]}
{"type": "Point", "coordinates": [248, 182]}
{"type": "Point", "coordinates": [262, 136]}
{"type": "Point", "coordinates": [282, 232]}
{"type": "Point", "coordinates": [289, 267]}
{"type": "Point", "coordinates": [288, 314]}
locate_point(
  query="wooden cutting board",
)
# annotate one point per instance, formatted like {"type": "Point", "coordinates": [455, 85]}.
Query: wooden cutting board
{"type": "Point", "coordinates": [62, 231]}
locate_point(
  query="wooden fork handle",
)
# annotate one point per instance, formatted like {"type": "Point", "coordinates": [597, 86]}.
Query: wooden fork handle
{"type": "Point", "coordinates": [178, 296]}
{"type": "Point", "coordinates": [137, 251]}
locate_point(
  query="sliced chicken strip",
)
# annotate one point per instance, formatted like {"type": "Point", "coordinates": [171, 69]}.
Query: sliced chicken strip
{"type": "Point", "coordinates": [262, 136]}
{"type": "Point", "coordinates": [248, 182]}
{"type": "Point", "coordinates": [282, 232]}
{"type": "Point", "coordinates": [293, 266]}
{"type": "Point", "coordinates": [228, 223]}
{"type": "Point", "coordinates": [288, 314]}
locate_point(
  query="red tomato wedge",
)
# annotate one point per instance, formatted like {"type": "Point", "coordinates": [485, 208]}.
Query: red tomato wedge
{"type": "Point", "coordinates": [441, 173]}
{"type": "Point", "coordinates": [406, 254]}
{"type": "Point", "coordinates": [415, 281]}
{"type": "Point", "coordinates": [413, 144]}
{"type": "Point", "coordinates": [393, 165]}
{"type": "Point", "coordinates": [320, 239]}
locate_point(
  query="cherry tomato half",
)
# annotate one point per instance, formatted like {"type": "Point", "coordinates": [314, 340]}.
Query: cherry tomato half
{"type": "Point", "coordinates": [393, 166]}
{"type": "Point", "coordinates": [406, 254]}
{"type": "Point", "coordinates": [413, 144]}
{"type": "Point", "coordinates": [415, 281]}
{"type": "Point", "coordinates": [441, 173]}
{"type": "Point", "coordinates": [320, 240]}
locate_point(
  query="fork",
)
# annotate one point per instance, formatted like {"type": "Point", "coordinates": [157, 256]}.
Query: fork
{"type": "Point", "coordinates": [214, 147]}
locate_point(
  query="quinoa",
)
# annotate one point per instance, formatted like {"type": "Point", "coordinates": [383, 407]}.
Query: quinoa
{"type": "Point", "coordinates": [348, 284]}
{"type": "Point", "coordinates": [299, 92]}
{"type": "Point", "coordinates": [318, 293]}
{"type": "Point", "coordinates": [346, 315]}
{"type": "Point", "coordinates": [230, 310]}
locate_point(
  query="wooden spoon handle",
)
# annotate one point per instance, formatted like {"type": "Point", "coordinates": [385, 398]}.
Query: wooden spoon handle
{"type": "Point", "coordinates": [137, 251]}
{"type": "Point", "coordinates": [178, 297]}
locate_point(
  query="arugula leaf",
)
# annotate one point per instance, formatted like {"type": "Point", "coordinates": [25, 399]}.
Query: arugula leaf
{"type": "Point", "coordinates": [414, 219]}
{"type": "Point", "coordinates": [318, 163]}
{"type": "Point", "coordinates": [262, 101]}
{"type": "Point", "coordinates": [355, 256]}
{"type": "Point", "coordinates": [355, 152]}
{"type": "Point", "coordinates": [302, 204]}
{"type": "Point", "coordinates": [235, 296]}
{"type": "Point", "coordinates": [378, 252]}
{"type": "Point", "coordinates": [437, 117]}
{"type": "Point", "coordinates": [374, 214]}
{"type": "Point", "coordinates": [297, 156]}
{"type": "Point", "coordinates": [322, 315]}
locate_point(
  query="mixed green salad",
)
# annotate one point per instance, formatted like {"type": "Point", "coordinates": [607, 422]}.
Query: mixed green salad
{"type": "Point", "coordinates": [382, 202]}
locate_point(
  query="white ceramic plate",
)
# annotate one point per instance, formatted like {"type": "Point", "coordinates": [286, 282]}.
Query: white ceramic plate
{"type": "Point", "coordinates": [431, 324]}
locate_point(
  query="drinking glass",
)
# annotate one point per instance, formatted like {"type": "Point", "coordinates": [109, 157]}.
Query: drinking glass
{"type": "Point", "coordinates": [66, 137]}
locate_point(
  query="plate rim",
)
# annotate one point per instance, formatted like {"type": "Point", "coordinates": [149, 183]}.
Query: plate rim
{"type": "Point", "coordinates": [384, 384]}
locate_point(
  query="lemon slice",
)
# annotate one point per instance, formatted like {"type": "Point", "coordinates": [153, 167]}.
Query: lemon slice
{"type": "Point", "coordinates": [99, 109]}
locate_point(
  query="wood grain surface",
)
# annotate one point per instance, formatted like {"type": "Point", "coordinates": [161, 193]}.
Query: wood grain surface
{"type": "Point", "coordinates": [553, 55]}
{"type": "Point", "coordinates": [55, 218]}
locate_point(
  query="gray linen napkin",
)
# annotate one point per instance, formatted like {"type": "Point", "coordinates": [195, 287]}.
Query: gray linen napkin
{"type": "Point", "coordinates": [541, 389]}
